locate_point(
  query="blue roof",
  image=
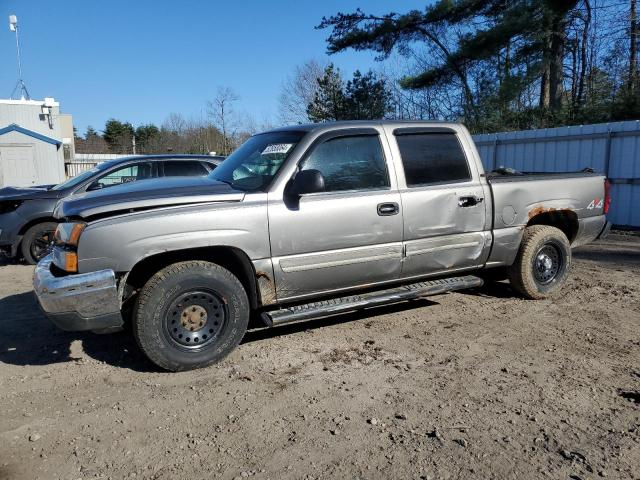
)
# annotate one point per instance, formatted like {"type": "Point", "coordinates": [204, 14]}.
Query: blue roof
{"type": "Point", "coordinates": [14, 127]}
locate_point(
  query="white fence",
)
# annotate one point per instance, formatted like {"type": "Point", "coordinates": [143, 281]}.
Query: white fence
{"type": "Point", "coordinates": [86, 161]}
{"type": "Point", "coordinates": [72, 169]}
{"type": "Point", "coordinates": [609, 148]}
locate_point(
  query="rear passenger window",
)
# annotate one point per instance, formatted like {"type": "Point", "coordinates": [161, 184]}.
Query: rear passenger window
{"type": "Point", "coordinates": [188, 168]}
{"type": "Point", "coordinates": [432, 158]}
{"type": "Point", "coordinates": [350, 163]}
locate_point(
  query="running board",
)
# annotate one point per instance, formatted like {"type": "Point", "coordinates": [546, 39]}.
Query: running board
{"type": "Point", "coordinates": [365, 300]}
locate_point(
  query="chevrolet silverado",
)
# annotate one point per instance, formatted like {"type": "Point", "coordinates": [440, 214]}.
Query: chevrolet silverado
{"type": "Point", "coordinates": [308, 221]}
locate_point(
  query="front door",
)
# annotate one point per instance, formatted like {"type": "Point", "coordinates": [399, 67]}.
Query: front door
{"type": "Point", "coordinates": [347, 236]}
{"type": "Point", "coordinates": [17, 167]}
{"type": "Point", "coordinates": [444, 203]}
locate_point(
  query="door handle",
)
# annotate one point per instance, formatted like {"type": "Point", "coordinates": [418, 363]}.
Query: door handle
{"type": "Point", "coordinates": [469, 201]}
{"type": "Point", "coordinates": [386, 209]}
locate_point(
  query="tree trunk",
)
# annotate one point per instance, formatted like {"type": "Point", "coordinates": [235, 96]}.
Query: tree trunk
{"type": "Point", "coordinates": [574, 75]}
{"type": "Point", "coordinates": [583, 52]}
{"type": "Point", "coordinates": [545, 75]}
{"type": "Point", "coordinates": [633, 46]}
{"type": "Point", "coordinates": [556, 73]}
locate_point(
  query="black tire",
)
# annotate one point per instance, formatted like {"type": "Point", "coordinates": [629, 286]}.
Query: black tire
{"type": "Point", "coordinates": [36, 241]}
{"type": "Point", "coordinates": [542, 265]}
{"type": "Point", "coordinates": [190, 315]}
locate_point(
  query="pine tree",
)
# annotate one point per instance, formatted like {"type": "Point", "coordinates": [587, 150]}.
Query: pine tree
{"type": "Point", "coordinates": [523, 32]}
{"type": "Point", "coordinates": [364, 97]}
{"type": "Point", "coordinates": [367, 97]}
{"type": "Point", "coordinates": [329, 102]}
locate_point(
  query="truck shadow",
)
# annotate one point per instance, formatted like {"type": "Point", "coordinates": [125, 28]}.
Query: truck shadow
{"type": "Point", "coordinates": [492, 289]}
{"type": "Point", "coordinates": [258, 334]}
{"type": "Point", "coordinates": [28, 338]}
{"type": "Point", "coordinates": [622, 256]}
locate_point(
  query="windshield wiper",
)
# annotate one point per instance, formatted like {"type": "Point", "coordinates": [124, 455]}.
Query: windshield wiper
{"type": "Point", "coordinates": [231, 184]}
{"type": "Point", "coordinates": [224, 181]}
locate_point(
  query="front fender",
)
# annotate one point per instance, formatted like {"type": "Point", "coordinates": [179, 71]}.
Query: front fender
{"type": "Point", "coordinates": [121, 242]}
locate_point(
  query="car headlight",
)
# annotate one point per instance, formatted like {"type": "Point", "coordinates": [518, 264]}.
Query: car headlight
{"type": "Point", "coordinates": [68, 234]}
{"type": "Point", "coordinates": [66, 239]}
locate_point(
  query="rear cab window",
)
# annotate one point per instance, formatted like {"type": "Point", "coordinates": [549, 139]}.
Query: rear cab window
{"type": "Point", "coordinates": [431, 157]}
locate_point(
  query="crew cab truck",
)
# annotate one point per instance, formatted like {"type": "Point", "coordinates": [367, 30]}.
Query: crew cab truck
{"type": "Point", "coordinates": [307, 221]}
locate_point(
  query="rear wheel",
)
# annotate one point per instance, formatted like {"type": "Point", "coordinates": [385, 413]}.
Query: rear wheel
{"type": "Point", "coordinates": [36, 241]}
{"type": "Point", "coordinates": [542, 265]}
{"type": "Point", "coordinates": [190, 315]}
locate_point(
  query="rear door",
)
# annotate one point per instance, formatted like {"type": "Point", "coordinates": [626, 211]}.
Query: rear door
{"type": "Point", "coordinates": [347, 236]}
{"type": "Point", "coordinates": [444, 202]}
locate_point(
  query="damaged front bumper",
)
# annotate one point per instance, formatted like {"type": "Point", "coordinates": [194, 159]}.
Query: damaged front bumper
{"type": "Point", "coordinates": [80, 302]}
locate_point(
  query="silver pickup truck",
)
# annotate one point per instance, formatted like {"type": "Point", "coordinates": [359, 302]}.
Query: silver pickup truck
{"type": "Point", "coordinates": [308, 221]}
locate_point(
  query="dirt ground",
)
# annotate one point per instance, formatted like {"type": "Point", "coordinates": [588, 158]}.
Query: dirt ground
{"type": "Point", "coordinates": [467, 385]}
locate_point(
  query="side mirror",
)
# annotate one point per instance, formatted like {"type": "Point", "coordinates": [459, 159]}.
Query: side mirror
{"type": "Point", "coordinates": [94, 186]}
{"type": "Point", "coordinates": [307, 181]}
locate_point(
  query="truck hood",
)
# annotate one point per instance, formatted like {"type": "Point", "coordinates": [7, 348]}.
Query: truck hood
{"type": "Point", "coordinates": [146, 195]}
{"type": "Point", "coordinates": [28, 193]}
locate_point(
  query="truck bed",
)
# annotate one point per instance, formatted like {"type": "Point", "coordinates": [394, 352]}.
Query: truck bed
{"type": "Point", "coordinates": [494, 177]}
{"type": "Point", "coordinates": [516, 201]}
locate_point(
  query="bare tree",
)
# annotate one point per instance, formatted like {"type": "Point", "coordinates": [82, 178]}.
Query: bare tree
{"type": "Point", "coordinates": [222, 112]}
{"type": "Point", "coordinates": [175, 122]}
{"type": "Point", "coordinates": [299, 90]}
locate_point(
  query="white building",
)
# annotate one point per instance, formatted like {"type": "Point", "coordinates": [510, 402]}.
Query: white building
{"type": "Point", "coordinates": [35, 141]}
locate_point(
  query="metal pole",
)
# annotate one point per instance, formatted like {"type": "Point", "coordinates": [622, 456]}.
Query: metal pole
{"type": "Point", "coordinates": [494, 160]}
{"type": "Point", "coordinates": [607, 154]}
{"type": "Point", "coordinates": [18, 54]}
{"type": "Point", "coordinates": [24, 93]}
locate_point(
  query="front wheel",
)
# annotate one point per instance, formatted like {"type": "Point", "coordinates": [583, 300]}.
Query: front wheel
{"type": "Point", "coordinates": [190, 315]}
{"type": "Point", "coordinates": [36, 242]}
{"type": "Point", "coordinates": [542, 265]}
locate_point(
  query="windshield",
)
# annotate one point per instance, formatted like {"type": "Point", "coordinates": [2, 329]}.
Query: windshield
{"type": "Point", "coordinates": [77, 180]}
{"type": "Point", "coordinates": [254, 164]}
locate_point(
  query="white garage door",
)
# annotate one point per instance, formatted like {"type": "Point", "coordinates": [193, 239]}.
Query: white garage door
{"type": "Point", "coordinates": [17, 167]}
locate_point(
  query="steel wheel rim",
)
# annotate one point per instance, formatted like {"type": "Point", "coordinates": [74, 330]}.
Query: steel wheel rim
{"type": "Point", "coordinates": [195, 319]}
{"type": "Point", "coordinates": [547, 264]}
{"type": "Point", "coordinates": [41, 244]}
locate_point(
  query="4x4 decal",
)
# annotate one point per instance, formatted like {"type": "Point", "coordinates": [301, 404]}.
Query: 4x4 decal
{"type": "Point", "coordinates": [596, 203]}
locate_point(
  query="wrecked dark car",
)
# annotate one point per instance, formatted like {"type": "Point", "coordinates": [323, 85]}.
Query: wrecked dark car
{"type": "Point", "coordinates": [26, 214]}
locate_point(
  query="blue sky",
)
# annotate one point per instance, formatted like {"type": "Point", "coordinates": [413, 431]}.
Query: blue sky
{"type": "Point", "coordinates": [139, 60]}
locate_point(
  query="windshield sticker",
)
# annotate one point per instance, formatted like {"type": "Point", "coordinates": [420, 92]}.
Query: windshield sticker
{"type": "Point", "coordinates": [277, 148]}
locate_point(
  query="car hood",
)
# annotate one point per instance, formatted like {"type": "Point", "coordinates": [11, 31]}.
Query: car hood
{"type": "Point", "coordinates": [145, 195]}
{"type": "Point", "coordinates": [28, 193]}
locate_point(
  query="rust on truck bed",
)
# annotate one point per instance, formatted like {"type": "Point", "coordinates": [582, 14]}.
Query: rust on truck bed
{"type": "Point", "coordinates": [540, 209]}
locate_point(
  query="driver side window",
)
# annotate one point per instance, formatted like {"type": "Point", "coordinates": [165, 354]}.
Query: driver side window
{"type": "Point", "coordinates": [126, 174]}
{"type": "Point", "coordinates": [350, 163]}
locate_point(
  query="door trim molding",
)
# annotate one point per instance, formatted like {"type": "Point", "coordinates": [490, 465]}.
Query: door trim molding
{"type": "Point", "coordinates": [338, 258]}
{"type": "Point", "coordinates": [442, 248]}
{"type": "Point", "coordinates": [334, 263]}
